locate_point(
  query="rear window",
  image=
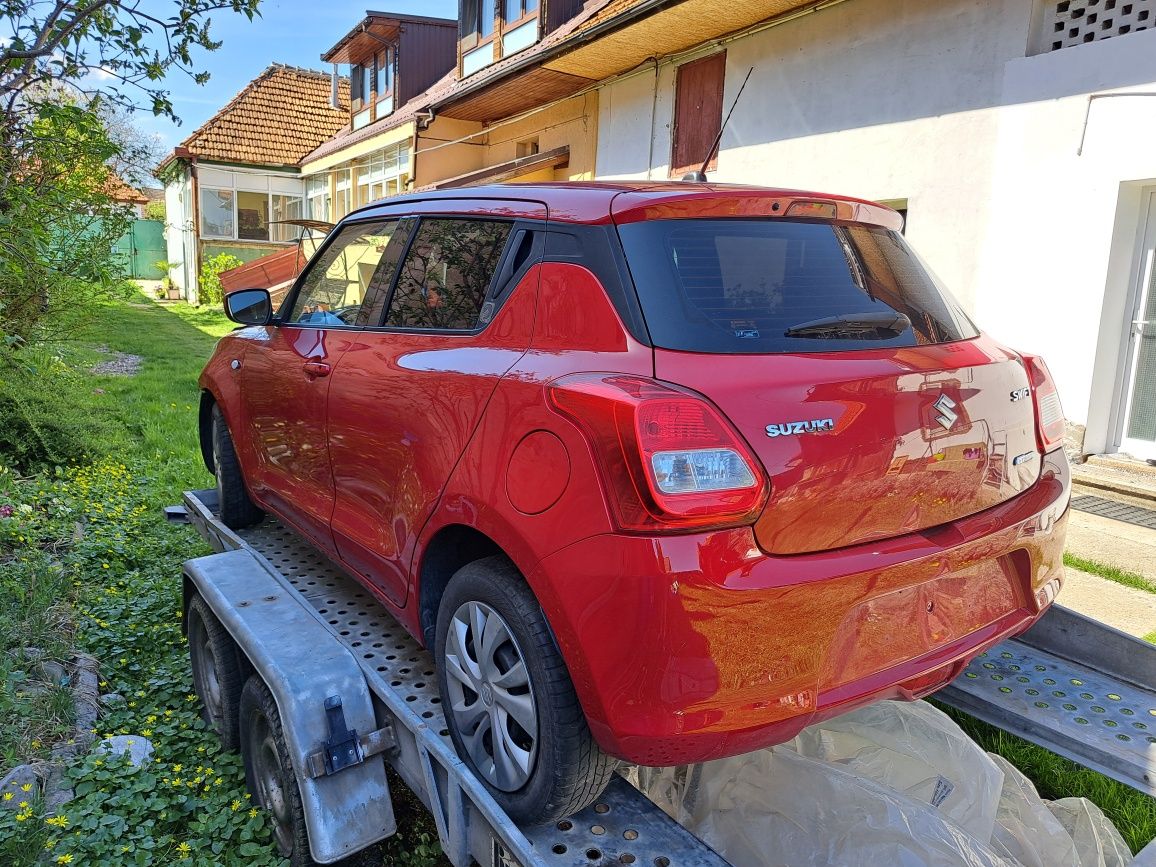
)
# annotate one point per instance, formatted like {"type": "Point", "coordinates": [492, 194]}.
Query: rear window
{"type": "Point", "coordinates": [762, 286]}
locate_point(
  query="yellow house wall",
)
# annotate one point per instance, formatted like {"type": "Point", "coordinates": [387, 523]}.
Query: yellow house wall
{"type": "Point", "coordinates": [433, 163]}
{"type": "Point", "coordinates": [342, 158]}
{"type": "Point", "coordinates": [573, 122]}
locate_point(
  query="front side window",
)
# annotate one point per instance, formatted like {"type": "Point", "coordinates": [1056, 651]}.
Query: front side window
{"type": "Point", "coordinates": [335, 286]}
{"type": "Point", "coordinates": [447, 273]}
{"type": "Point", "coordinates": [216, 213]}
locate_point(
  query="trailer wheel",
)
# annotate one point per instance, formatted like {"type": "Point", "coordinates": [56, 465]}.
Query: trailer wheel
{"type": "Point", "coordinates": [269, 771]}
{"type": "Point", "coordinates": [510, 706]}
{"type": "Point", "coordinates": [216, 665]}
{"type": "Point", "coordinates": [237, 509]}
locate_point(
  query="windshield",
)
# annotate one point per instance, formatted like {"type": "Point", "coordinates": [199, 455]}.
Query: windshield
{"type": "Point", "coordinates": [775, 285]}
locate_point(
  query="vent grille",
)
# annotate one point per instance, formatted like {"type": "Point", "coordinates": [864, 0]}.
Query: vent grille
{"type": "Point", "coordinates": [1076, 22]}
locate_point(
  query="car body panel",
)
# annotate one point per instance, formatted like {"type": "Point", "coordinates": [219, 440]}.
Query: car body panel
{"type": "Point", "coordinates": [877, 462]}
{"type": "Point", "coordinates": [402, 409]}
{"type": "Point", "coordinates": [691, 648]}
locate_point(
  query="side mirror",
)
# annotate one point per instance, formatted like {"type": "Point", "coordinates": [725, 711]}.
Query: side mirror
{"type": "Point", "coordinates": [249, 307]}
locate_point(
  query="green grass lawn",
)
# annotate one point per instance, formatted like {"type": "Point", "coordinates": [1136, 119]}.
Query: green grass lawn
{"type": "Point", "coordinates": [87, 560]}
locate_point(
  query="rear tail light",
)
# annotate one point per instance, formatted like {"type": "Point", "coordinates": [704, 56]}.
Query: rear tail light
{"type": "Point", "coordinates": [1049, 413]}
{"type": "Point", "coordinates": [668, 458]}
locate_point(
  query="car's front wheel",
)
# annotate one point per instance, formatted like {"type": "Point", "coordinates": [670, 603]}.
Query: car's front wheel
{"type": "Point", "coordinates": [510, 705]}
{"type": "Point", "coordinates": [236, 508]}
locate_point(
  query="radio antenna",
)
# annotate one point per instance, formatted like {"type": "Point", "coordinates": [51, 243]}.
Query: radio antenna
{"type": "Point", "coordinates": [699, 177]}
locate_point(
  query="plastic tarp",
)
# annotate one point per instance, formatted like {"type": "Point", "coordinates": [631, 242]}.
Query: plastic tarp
{"type": "Point", "coordinates": [894, 783]}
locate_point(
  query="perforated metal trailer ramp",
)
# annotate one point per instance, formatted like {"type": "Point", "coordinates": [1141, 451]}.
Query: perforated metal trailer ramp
{"type": "Point", "coordinates": [1074, 686]}
{"type": "Point", "coordinates": [623, 827]}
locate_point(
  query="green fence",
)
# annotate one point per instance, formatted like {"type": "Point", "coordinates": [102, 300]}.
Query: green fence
{"type": "Point", "coordinates": [141, 248]}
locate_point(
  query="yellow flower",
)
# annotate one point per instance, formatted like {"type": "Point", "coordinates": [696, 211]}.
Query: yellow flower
{"type": "Point", "coordinates": [64, 859]}
{"type": "Point", "coordinates": [7, 796]}
{"type": "Point", "coordinates": [252, 814]}
{"type": "Point", "coordinates": [48, 844]}
{"type": "Point", "coordinates": [20, 817]}
{"type": "Point", "coordinates": [177, 768]}
{"type": "Point", "coordinates": [27, 787]}
{"type": "Point", "coordinates": [23, 805]}
{"type": "Point", "coordinates": [57, 821]}
{"type": "Point", "coordinates": [184, 849]}
{"type": "Point", "coordinates": [235, 806]}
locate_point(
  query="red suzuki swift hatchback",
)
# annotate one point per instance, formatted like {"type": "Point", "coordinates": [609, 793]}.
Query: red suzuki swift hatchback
{"type": "Point", "coordinates": [659, 472]}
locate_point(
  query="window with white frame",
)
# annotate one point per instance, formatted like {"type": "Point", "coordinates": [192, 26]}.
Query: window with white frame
{"type": "Point", "coordinates": [342, 193]}
{"type": "Point", "coordinates": [317, 197]}
{"type": "Point", "coordinates": [247, 215]}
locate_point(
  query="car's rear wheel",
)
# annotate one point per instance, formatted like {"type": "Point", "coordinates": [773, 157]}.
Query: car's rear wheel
{"type": "Point", "coordinates": [215, 661]}
{"type": "Point", "coordinates": [236, 508]}
{"type": "Point", "coordinates": [511, 707]}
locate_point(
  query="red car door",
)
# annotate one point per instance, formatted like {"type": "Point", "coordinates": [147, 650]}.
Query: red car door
{"type": "Point", "coordinates": [405, 403]}
{"type": "Point", "coordinates": [287, 373]}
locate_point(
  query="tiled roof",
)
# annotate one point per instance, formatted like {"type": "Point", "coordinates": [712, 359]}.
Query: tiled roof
{"type": "Point", "coordinates": [119, 191]}
{"type": "Point", "coordinates": [281, 116]}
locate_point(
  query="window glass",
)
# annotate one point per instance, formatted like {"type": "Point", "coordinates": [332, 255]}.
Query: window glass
{"type": "Point", "coordinates": [383, 84]}
{"type": "Point", "coordinates": [317, 196]}
{"type": "Point", "coordinates": [486, 19]}
{"type": "Point", "coordinates": [446, 274]}
{"type": "Point", "coordinates": [776, 285]}
{"type": "Point", "coordinates": [252, 216]}
{"type": "Point", "coordinates": [285, 208]}
{"type": "Point", "coordinates": [217, 213]}
{"type": "Point", "coordinates": [338, 280]}
{"type": "Point", "coordinates": [342, 194]}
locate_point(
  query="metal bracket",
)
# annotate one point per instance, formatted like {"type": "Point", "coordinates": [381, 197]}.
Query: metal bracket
{"type": "Point", "coordinates": [341, 749]}
{"type": "Point", "coordinates": [374, 743]}
{"type": "Point", "coordinates": [177, 515]}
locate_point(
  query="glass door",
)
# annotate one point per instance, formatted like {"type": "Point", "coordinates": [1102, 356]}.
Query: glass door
{"type": "Point", "coordinates": [1139, 433]}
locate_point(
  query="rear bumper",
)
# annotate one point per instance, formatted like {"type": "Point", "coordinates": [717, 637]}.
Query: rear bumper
{"type": "Point", "coordinates": [690, 648]}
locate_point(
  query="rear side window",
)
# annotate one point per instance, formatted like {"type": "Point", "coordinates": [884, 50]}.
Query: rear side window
{"type": "Point", "coordinates": [446, 274]}
{"type": "Point", "coordinates": [763, 286]}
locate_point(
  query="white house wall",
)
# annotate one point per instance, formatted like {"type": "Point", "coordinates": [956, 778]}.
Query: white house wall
{"type": "Point", "coordinates": [179, 238]}
{"type": "Point", "coordinates": [938, 104]}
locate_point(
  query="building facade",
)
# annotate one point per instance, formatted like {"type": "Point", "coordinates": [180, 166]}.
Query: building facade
{"type": "Point", "coordinates": [230, 185]}
{"type": "Point", "coordinates": [1016, 136]}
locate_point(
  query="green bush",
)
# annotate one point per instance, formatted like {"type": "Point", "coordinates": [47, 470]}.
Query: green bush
{"type": "Point", "coordinates": [43, 414]}
{"type": "Point", "coordinates": [211, 276]}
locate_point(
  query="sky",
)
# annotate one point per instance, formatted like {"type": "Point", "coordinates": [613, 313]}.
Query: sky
{"type": "Point", "coordinates": [296, 32]}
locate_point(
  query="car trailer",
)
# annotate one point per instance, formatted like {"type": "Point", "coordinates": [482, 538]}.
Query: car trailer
{"type": "Point", "coordinates": [349, 684]}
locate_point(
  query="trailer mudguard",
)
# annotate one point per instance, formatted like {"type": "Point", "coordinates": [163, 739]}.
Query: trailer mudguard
{"type": "Point", "coordinates": [303, 664]}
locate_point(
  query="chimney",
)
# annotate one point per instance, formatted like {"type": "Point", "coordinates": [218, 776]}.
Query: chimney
{"type": "Point", "coordinates": [333, 88]}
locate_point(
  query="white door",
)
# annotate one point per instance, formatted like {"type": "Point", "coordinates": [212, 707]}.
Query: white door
{"type": "Point", "coordinates": [1139, 430]}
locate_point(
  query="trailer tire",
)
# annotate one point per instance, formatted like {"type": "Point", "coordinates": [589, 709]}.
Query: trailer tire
{"type": "Point", "coordinates": [269, 772]}
{"type": "Point", "coordinates": [237, 509]}
{"type": "Point", "coordinates": [216, 663]}
{"type": "Point", "coordinates": [567, 771]}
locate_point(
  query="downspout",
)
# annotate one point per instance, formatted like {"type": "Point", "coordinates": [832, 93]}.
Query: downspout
{"type": "Point", "coordinates": [653, 112]}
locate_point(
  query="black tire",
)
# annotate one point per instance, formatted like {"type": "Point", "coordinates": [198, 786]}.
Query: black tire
{"type": "Point", "coordinates": [237, 510]}
{"type": "Point", "coordinates": [568, 771]}
{"type": "Point", "coordinates": [216, 663]}
{"type": "Point", "coordinates": [269, 771]}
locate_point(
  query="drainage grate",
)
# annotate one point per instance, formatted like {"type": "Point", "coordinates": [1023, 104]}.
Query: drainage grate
{"type": "Point", "coordinates": [1117, 511]}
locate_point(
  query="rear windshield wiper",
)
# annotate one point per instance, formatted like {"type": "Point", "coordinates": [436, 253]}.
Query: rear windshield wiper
{"type": "Point", "coordinates": [861, 326]}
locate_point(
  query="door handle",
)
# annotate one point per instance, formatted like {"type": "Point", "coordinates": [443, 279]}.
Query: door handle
{"type": "Point", "coordinates": [314, 369]}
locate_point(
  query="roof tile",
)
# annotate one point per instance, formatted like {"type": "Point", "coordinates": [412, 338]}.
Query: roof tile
{"type": "Point", "coordinates": [280, 116]}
